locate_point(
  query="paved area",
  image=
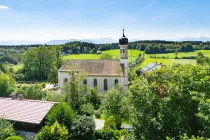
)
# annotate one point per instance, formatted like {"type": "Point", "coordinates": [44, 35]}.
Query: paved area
{"type": "Point", "coordinates": [99, 124]}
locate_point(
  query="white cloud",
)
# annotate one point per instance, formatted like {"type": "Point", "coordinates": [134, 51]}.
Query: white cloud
{"type": "Point", "coordinates": [3, 7]}
{"type": "Point", "coordinates": [149, 5]}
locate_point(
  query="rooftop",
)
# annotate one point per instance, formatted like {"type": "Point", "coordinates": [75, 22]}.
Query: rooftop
{"type": "Point", "coordinates": [150, 67]}
{"type": "Point", "coordinates": [95, 67]}
{"type": "Point", "coordinates": [29, 111]}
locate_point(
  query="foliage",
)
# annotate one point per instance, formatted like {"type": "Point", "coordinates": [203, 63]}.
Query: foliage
{"type": "Point", "coordinates": [62, 113]}
{"type": "Point", "coordinates": [6, 85]}
{"type": "Point", "coordinates": [53, 76]}
{"type": "Point", "coordinates": [54, 132]}
{"type": "Point", "coordinates": [117, 134]}
{"type": "Point", "coordinates": [116, 103]}
{"type": "Point", "coordinates": [55, 97]}
{"type": "Point", "coordinates": [73, 89]}
{"type": "Point", "coordinates": [38, 62]}
{"type": "Point", "coordinates": [82, 128]}
{"type": "Point", "coordinates": [113, 122]}
{"type": "Point", "coordinates": [14, 138]}
{"type": "Point", "coordinates": [87, 109]}
{"type": "Point", "coordinates": [123, 132]}
{"type": "Point", "coordinates": [92, 96]}
{"type": "Point", "coordinates": [170, 102]}
{"type": "Point", "coordinates": [34, 92]}
{"type": "Point", "coordinates": [98, 114]}
{"type": "Point", "coordinates": [6, 128]}
{"type": "Point", "coordinates": [106, 133]}
{"type": "Point", "coordinates": [106, 56]}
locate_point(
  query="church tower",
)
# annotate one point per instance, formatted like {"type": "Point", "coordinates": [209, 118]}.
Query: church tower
{"type": "Point", "coordinates": [124, 57]}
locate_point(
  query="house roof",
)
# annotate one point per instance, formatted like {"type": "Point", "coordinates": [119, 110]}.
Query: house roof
{"type": "Point", "coordinates": [29, 111]}
{"type": "Point", "coordinates": [95, 67]}
{"type": "Point", "coordinates": [150, 67]}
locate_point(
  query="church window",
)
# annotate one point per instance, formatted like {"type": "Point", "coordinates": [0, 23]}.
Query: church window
{"type": "Point", "coordinates": [115, 81]}
{"type": "Point", "coordinates": [85, 82]}
{"type": "Point", "coordinates": [105, 84]}
{"type": "Point", "coordinates": [123, 50]}
{"type": "Point", "coordinates": [95, 82]}
{"type": "Point", "coordinates": [65, 80]}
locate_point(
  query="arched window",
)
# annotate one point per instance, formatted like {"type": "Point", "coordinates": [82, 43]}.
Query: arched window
{"type": "Point", "coordinates": [65, 80]}
{"type": "Point", "coordinates": [105, 84]}
{"type": "Point", "coordinates": [95, 82]}
{"type": "Point", "coordinates": [85, 82]}
{"type": "Point", "coordinates": [115, 81]}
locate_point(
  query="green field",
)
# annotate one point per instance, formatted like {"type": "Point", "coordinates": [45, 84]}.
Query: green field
{"type": "Point", "coordinates": [115, 53]}
{"type": "Point", "coordinates": [181, 54]}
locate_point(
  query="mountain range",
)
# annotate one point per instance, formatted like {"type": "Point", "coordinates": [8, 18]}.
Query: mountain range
{"type": "Point", "coordinates": [95, 41]}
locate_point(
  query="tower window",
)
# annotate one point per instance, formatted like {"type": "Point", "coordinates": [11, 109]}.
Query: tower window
{"type": "Point", "coordinates": [95, 82]}
{"type": "Point", "coordinates": [123, 50]}
{"type": "Point", "coordinates": [105, 84]}
{"type": "Point", "coordinates": [115, 81]}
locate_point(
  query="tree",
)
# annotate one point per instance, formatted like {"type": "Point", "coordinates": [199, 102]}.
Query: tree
{"type": "Point", "coordinates": [83, 128]}
{"type": "Point", "coordinates": [106, 56]}
{"type": "Point", "coordinates": [6, 85]}
{"type": "Point", "coordinates": [57, 51]}
{"type": "Point", "coordinates": [116, 103]}
{"type": "Point", "coordinates": [54, 132]}
{"type": "Point", "coordinates": [62, 113]}
{"type": "Point", "coordinates": [53, 76]}
{"type": "Point", "coordinates": [167, 102]}
{"type": "Point", "coordinates": [38, 62]}
{"type": "Point", "coordinates": [6, 128]}
{"type": "Point", "coordinates": [87, 109]}
{"type": "Point", "coordinates": [74, 89]}
{"type": "Point", "coordinates": [92, 96]}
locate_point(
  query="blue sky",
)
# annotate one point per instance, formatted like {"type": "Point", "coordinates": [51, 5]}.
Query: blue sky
{"type": "Point", "coordinates": [46, 20]}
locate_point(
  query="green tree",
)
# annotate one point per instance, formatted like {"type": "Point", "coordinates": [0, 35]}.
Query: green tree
{"type": "Point", "coordinates": [62, 113]}
{"type": "Point", "coordinates": [6, 85]}
{"type": "Point", "coordinates": [6, 128]}
{"type": "Point", "coordinates": [116, 103]}
{"type": "Point", "coordinates": [83, 128]}
{"type": "Point", "coordinates": [38, 62]}
{"type": "Point", "coordinates": [167, 102]}
{"type": "Point", "coordinates": [92, 96]}
{"type": "Point", "coordinates": [54, 132]}
{"type": "Point", "coordinates": [74, 89]}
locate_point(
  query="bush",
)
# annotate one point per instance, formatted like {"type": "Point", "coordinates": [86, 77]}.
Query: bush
{"type": "Point", "coordinates": [106, 133]}
{"type": "Point", "coordinates": [82, 128]}
{"type": "Point", "coordinates": [61, 112]}
{"type": "Point", "coordinates": [54, 132]}
{"type": "Point", "coordinates": [123, 132]}
{"type": "Point", "coordinates": [14, 138]}
{"type": "Point", "coordinates": [113, 122]}
{"type": "Point", "coordinates": [98, 114]}
{"type": "Point", "coordinates": [117, 134]}
{"type": "Point", "coordinates": [6, 128]}
{"type": "Point", "coordinates": [87, 109]}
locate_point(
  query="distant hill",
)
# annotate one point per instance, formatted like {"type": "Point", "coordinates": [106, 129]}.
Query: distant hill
{"type": "Point", "coordinates": [204, 39]}
{"type": "Point", "coordinates": [20, 42]}
{"type": "Point", "coordinates": [95, 41]}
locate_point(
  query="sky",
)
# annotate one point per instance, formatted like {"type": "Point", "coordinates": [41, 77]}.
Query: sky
{"type": "Point", "coordinates": [45, 20]}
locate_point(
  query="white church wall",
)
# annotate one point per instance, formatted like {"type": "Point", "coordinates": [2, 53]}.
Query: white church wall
{"type": "Point", "coordinates": [90, 81]}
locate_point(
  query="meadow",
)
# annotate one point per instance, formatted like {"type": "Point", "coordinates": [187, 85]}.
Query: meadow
{"type": "Point", "coordinates": [132, 55]}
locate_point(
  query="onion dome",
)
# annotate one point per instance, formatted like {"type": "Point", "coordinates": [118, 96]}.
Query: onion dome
{"type": "Point", "coordinates": [123, 40]}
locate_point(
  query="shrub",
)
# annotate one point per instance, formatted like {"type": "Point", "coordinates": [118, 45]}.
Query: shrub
{"type": "Point", "coordinates": [106, 133]}
{"type": "Point", "coordinates": [98, 114]}
{"type": "Point", "coordinates": [6, 128]}
{"type": "Point", "coordinates": [61, 112]}
{"type": "Point", "coordinates": [14, 138]}
{"type": "Point", "coordinates": [113, 122]}
{"type": "Point", "coordinates": [117, 134]}
{"type": "Point", "coordinates": [54, 132]}
{"type": "Point", "coordinates": [123, 132]}
{"type": "Point", "coordinates": [82, 128]}
{"type": "Point", "coordinates": [87, 109]}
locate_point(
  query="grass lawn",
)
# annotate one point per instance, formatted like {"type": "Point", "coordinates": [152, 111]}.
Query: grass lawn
{"type": "Point", "coordinates": [115, 53]}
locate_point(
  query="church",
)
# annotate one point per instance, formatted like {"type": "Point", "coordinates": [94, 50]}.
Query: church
{"type": "Point", "coordinates": [103, 74]}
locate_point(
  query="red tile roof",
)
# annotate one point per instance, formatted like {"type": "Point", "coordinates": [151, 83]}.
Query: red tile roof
{"type": "Point", "coordinates": [95, 67]}
{"type": "Point", "coordinates": [30, 111]}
